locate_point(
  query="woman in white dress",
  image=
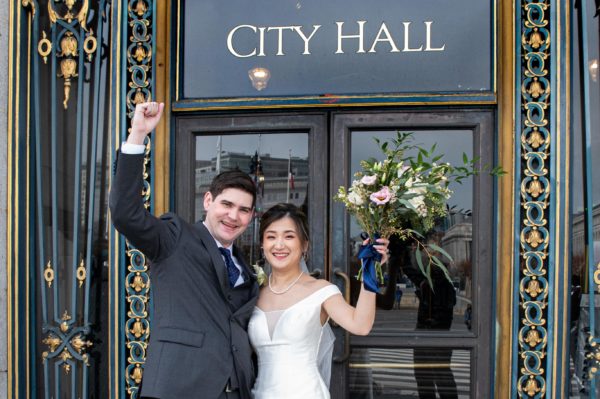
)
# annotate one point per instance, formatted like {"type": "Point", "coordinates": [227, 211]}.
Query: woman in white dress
{"type": "Point", "coordinates": [287, 324]}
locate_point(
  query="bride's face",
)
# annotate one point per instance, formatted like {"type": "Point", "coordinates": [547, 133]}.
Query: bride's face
{"type": "Point", "coordinates": [282, 245]}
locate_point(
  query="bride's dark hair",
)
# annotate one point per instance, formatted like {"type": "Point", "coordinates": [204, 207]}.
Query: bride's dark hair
{"type": "Point", "coordinates": [282, 210]}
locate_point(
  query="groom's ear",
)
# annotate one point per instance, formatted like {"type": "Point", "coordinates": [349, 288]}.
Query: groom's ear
{"type": "Point", "coordinates": [208, 199]}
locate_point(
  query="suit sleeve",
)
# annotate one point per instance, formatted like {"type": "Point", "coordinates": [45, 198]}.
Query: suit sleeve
{"type": "Point", "coordinates": [155, 237]}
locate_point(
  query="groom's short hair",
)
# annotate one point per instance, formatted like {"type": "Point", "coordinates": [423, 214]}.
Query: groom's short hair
{"type": "Point", "coordinates": [233, 179]}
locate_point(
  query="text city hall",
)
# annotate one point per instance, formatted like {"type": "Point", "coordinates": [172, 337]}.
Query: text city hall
{"type": "Point", "coordinates": [384, 40]}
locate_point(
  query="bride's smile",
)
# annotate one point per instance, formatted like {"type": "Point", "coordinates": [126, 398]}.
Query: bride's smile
{"type": "Point", "coordinates": [283, 247]}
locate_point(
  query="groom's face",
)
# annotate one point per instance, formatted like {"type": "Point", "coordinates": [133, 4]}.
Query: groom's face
{"type": "Point", "coordinates": [228, 214]}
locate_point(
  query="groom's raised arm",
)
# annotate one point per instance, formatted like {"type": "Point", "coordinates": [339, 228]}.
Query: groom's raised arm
{"type": "Point", "coordinates": [153, 236]}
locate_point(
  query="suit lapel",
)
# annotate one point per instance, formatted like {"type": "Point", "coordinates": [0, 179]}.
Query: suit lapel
{"type": "Point", "coordinates": [215, 256]}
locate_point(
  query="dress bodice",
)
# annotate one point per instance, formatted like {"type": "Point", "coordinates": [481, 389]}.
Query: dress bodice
{"type": "Point", "coordinates": [287, 359]}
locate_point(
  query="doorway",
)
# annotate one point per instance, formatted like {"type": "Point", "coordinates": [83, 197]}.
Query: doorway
{"type": "Point", "coordinates": [423, 342]}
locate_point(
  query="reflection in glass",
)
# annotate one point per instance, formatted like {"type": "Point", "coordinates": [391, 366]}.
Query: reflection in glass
{"type": "Point", "coordinates": [410, 373]}
{"type": "Point", "coordinates": [277, 162]}
{"type": "Point", "coordinates": [406, 302]}
{"type": "Point", "coordinates": [585, 233]}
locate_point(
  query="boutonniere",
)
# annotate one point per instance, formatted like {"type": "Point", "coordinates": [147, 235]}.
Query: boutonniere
{"type": "Point", "coordinates": [261, 276]}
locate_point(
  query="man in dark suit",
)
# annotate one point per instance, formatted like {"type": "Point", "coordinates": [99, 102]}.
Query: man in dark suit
{"type": "Point", "coordinates": [203, 296]}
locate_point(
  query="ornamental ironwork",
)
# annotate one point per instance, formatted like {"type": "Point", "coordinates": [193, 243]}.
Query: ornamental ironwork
{"type": "Point", "coordinates": [535, 141]}
{"type": "Point", "coordinates": [137, 282]}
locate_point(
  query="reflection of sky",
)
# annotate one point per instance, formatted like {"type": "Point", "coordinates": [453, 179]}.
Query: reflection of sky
{"type": "Point", "coordinates": [577, 167]}
{"type": "Point", "coordinates": [274, 144]}
{"type": "Point", "coordinates": [451, 143]}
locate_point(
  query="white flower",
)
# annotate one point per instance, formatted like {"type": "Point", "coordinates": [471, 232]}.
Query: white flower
{"type": "Point", "coordinates": [417, 201]}
{"type": "Point", "coordinates": [401, 170]}
{"type": "Point", "coordinates": [355, 199]}
{"type": "Point", "coordinates": [369, 180]}
{"type": "Point", "coordinates": [261, 276]}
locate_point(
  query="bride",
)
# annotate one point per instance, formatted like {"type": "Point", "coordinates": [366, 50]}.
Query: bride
{"type": "Point", "coordinates": [288, 321]}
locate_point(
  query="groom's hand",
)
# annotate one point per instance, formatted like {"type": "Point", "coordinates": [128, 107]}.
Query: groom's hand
{"type": "Point", "coordinates": [145, 119]}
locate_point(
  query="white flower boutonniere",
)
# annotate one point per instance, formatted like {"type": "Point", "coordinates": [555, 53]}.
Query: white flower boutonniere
{"type": "Point", "coordinates": [261, 276]}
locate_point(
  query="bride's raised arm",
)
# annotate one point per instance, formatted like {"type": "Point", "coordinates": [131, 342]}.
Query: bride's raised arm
{"type": "Point", "coordinates": [357, 320]}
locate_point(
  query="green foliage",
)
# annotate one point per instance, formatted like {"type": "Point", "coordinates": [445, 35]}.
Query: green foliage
{"type": "Point", "coordinates": [404, 194]}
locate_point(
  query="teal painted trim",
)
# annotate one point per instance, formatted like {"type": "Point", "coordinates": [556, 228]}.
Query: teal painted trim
{"type": "Point", "coordinates": [517, 198]}
{"type": "Point", "coordinates": [557, 320]}
{"type": "Point", "coordinates": [551, 264]}
{"type": "Point", "coordinates": [484, 98]}
{"type": "Point", "coordinates": [588, 178]}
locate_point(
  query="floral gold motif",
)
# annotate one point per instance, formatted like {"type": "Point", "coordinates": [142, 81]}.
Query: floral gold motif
{"type": "Point", "coordinates": [535, 188]}
{"type": "Point", "coordinates": [534, 238]}
{"type": "Point", "coordinates": [597, 275]}
{"type": "Point", "coordinates": [68, 45]}
{"type": "Point", "coordinates": [533, 337]}
{"type": "Point", "coordinates": [140, 8]}
{"type": "Point", "coordinates": [52, 341]}
{"type": "Point", "coordinates": [138, 283]}
{"type": "Point", "coordinates": [535, 88]}
{"type": "Point", "coordinates": [531, 387]}
{"type": "Point", "coordinates": [139, 53]}
{"type": "Point", "coordinates": [64, 326]}
{"type": "Point", "coordinates": [139, 97]}
{"type": "Point", "coordinates": [535, 139]}
{"type": "Point", "coordinates": [78, 343]}
{"type": "Point", "coordinates": [65, 355]}
{"type": "Point", "coordinates": [138, 329]}
{"type": "Point", "coordinates": [44, 47]}
{"type": "Point", "coordinates": [137, 373]}
{"type": "Point", "coordinates": [533, 288]}
{"type": "Point", "coordinates": [535, 39]}
{"type": "Point", "coordinates": [49, 274]}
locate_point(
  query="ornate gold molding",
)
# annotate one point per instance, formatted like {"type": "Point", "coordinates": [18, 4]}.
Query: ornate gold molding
{"type": "Point", "coordinates": [535, 194]}
{"type": "Point", "coordinates": [137, 282]}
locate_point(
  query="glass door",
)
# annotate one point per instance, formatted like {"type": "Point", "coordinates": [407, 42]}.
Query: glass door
{"type": "Point", "coordinates": [425, 342]}
{"type": "Point", "coordinates": [286, 155]}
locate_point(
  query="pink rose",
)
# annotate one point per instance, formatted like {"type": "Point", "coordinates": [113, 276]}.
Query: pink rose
{"type": "Point", "coordinates": [382, 196]}
{"type": "Point", "coordinates": [368, 180]}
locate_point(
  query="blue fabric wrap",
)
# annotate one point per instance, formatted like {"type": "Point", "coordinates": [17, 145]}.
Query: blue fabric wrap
{"type": "Point", "coordinates": [368, 256]}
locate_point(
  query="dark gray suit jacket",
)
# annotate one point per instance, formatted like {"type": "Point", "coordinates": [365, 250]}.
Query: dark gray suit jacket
{"type": "Point", "coordinates": [198, 339]}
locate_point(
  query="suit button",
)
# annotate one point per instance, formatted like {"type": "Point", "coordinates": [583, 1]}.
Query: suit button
{"type": "Point", "coordinates": [234, 348]}
{"type": "Point", "coordinates": [229, 297]}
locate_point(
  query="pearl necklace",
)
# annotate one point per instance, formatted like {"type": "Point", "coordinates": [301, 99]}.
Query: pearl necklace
{"type": "Point", "coordinates": [286, 289]}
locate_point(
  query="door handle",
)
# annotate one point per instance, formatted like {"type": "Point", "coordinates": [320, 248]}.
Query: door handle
{"type": "Point", "coordinates": [344, 357]}
{"type": "Point", "coordinates": [316, 273]}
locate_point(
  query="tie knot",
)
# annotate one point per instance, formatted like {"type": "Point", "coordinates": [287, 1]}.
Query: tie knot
{"type": "Point", "coordinates": [225, 252]}
{"type": "Point", "coordinates": [232, 270]}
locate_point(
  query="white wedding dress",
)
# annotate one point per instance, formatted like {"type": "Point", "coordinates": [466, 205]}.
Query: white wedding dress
{"type": "Point", "coordinates": [287, 344]}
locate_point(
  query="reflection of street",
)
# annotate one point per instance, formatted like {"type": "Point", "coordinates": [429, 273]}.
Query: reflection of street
{"type": "Point", "coordinates": [391, 373]}
{"type": "Point", "coordinates": [405, 318]}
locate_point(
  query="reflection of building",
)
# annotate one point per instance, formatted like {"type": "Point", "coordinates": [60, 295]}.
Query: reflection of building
{"type": "Point", "coordinates": [457, 239]}
{"type": "Point", "coordinates": [578, 235]}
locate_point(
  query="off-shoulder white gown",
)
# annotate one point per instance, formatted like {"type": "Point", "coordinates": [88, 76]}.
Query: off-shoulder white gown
{"type": "Point", "coordinates": [288, 354]}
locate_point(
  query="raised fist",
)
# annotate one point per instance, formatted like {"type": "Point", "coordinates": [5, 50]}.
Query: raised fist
{"type": "Point", "coordinates": [145, 119]}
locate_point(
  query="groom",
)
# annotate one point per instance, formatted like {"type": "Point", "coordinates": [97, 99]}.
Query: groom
{"type": "Point", "coordinates": [203, 291]}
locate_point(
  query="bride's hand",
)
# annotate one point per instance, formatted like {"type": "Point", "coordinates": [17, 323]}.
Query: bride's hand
{"type": "Point", "coordinates": [382, 247]}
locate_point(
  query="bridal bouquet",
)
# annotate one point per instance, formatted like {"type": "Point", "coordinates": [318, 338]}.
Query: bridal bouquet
{"type": "Point", "coordinates": [403, 194]}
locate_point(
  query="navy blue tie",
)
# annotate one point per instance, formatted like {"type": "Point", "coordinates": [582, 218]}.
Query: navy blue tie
{"type": "Point", "coordinates": [232, 270]}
